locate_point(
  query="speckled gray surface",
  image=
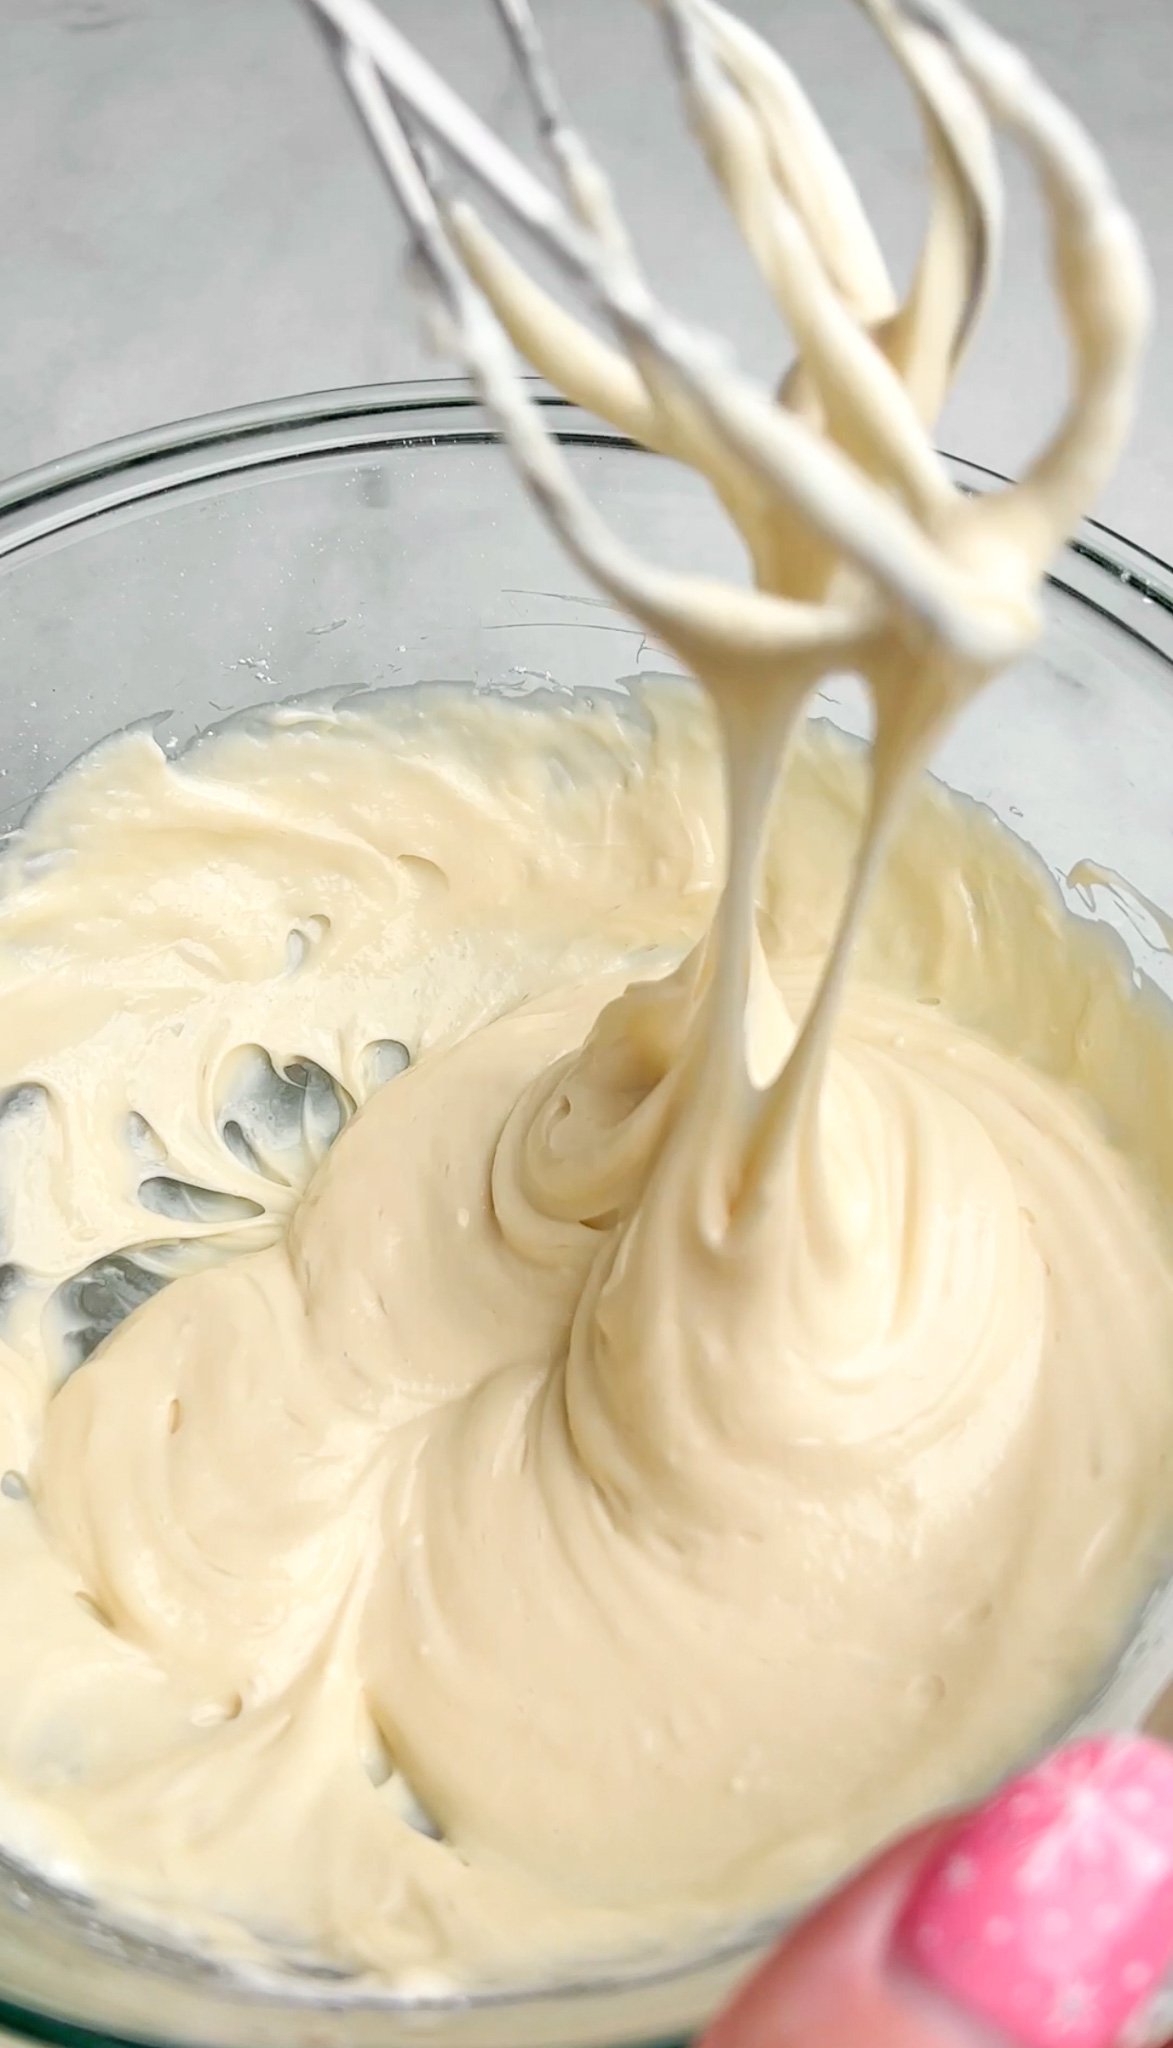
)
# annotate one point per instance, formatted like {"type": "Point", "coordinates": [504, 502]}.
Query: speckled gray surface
{"type": "Point", "coordinates": [190, 222]}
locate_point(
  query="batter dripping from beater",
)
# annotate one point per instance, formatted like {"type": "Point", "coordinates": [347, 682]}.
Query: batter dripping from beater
{"type": "Point", "coordinates": [700, 1411]}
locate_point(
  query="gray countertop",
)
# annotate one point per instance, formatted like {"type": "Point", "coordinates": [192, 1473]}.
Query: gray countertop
{"type": "Point", "coordinates": [192, 223]}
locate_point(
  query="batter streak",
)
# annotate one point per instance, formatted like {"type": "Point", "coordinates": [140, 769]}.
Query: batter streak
{"type": "Point", "coordinates": [619, 1415]}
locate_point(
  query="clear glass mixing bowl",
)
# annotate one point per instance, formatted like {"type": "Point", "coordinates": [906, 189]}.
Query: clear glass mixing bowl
{"type": "Point", "coordinates": [372, 537]}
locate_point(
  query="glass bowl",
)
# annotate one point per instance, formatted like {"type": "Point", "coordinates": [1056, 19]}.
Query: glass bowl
{"type": "Point", "coordinates": [373, 537]}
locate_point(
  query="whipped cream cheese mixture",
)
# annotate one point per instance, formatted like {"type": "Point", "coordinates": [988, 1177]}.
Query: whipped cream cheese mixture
{"type": "Point", "coordinates": [646, 1225]}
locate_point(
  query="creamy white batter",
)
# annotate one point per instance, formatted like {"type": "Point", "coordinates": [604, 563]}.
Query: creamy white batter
{"type": "Point", "coordinates": [388, 1496]}
{"type": "Point", "coordinates": [704, 1407]}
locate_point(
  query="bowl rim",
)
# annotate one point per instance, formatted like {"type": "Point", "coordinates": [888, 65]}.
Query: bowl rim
{"type": "Point", "coordinates": [1124, 583]}
{"type": "Point", "coordinates": [1119, 578]}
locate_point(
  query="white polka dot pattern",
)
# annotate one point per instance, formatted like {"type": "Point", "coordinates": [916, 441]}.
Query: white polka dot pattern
{"type": "Point", "coordinates": [1050, 1911]}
